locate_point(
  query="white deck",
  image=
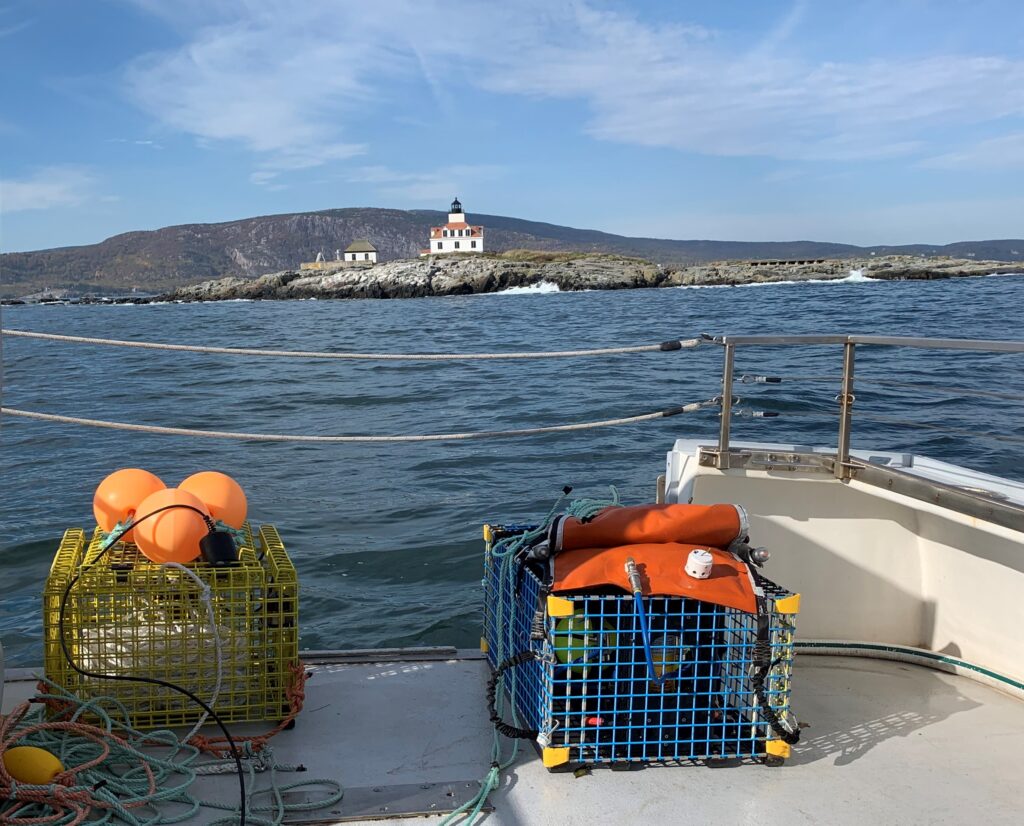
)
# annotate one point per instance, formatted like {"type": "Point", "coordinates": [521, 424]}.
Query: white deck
{"type": "Point", "coordinates": [885, 742]}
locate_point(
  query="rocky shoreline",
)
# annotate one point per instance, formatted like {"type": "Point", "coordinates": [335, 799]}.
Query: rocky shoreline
{"type": "Point", "coordinates": [465, 274]}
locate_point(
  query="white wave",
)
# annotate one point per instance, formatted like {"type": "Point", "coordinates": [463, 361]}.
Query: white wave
{"type": "Point", "coordinates": [855, 277]}
{"type": "Point", "coordinates": [532, 289]}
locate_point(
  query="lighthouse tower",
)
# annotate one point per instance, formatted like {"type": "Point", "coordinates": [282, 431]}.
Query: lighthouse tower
{"type": "Point", "coordinates": [457, 235]}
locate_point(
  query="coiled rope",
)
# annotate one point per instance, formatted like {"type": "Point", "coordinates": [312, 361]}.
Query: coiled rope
{"type": "Point", "coordinates": [298, 437]}
{"type": "Point", "coordinates": [115, 774]}
{"type": "Point", "coordinates": [665, 346]}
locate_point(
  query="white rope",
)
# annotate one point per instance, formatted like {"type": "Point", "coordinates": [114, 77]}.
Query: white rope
{"type": "Point", "coordinates": [206, 597]}
{"type": "Point", "coordinates": [285, 437]}
{"type": "Point", "coordinates": [675, 344]}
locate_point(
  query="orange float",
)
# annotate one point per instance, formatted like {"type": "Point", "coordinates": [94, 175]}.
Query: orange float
{"type": "Point", "coordinates": [120, 494]}
{"type": "Point", "coordinates": [174, 534]}
{"type": "Point", "coordinates": [221, 494]}
{"type": "Point", "coordinates": [717, 526]}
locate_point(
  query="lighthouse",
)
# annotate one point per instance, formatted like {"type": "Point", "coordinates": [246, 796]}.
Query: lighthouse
{"type": "Point", "coordinates": [455, 236]}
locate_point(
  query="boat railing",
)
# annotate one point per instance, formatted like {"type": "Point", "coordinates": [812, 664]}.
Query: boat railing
{"type": "Point", "coordinates": [974, 501]}
{"type": "Point", "coordinates": [844, 465]}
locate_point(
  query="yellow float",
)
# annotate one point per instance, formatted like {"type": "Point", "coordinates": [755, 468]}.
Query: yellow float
{"type": "Point", "coordinates": [32, 765]}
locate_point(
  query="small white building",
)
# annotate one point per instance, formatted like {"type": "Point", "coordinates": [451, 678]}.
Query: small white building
{"type": "Point", "coordinates": [455, 236]}
{"type": "Point", "coordinates": [361, 251]}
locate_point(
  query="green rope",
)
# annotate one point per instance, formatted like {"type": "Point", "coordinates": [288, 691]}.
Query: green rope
{"type": "Point", "coordinates": [588, 508]}
{"type": "Point", "coordinates": [174, 771]}
{"type": "Point", "coordinates": [504, 552]}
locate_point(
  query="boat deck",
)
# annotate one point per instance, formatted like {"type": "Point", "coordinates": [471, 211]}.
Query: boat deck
{"type": "Point", "coordinates": [884, 742]}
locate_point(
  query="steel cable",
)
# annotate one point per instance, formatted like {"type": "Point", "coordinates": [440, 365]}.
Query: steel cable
{"type": "Point", "coordinates": [749, 378]}
{"type": "Point", "coordinates": [876, 417]}
{"type": "Point", "coordinates": [665, 346]}
{"type": "Point", "coordinates": [287, 437]}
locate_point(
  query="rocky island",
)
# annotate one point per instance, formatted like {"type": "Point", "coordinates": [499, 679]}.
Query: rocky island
{"type": "Point", "coordinates": [441, 275]}
{"type": "Point", "coordinates": [454, 274]}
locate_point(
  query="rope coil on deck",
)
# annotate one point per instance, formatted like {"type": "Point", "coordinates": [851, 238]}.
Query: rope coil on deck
{"type": "Point", "coordinates": [665, 346]}
{"type": "Point", "coordinates": [117, 775]}
{"type": "Point", "coordinates": [298, 437]}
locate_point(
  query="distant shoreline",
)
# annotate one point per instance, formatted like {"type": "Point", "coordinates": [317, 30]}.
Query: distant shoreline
{"type": "Point", "coordinates": [446, 275]}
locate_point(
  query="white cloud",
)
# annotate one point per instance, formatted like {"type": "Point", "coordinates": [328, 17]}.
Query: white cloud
{"type": "Point", "coordinates": [894, 222]}
{"type": "Point", "coordinates": [288, 81]}
{"type": "Point", "coordinates": [432, 186]}
{"type": "Point", "coordinates": [47, 188]}
{"type": "Point", "coordinates": [1006, 152]}
{"type": "Point", "coordinates": [14, 28]}
{"type": "Point", "coordinates": [649, 87]}
{"type": "Point", "coordinates": [136, 142]}
{"type": "Point", "coordinates": [10, 24]}
{"type": "Point", "coordinates": [279, 82]}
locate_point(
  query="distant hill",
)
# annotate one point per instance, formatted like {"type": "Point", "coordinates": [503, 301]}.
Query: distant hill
{"type": "Point", "coordinates": [164, 258]}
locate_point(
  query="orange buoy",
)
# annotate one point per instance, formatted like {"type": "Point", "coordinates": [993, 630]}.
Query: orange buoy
{"type": "Point", "coordinates": [120, 494]}
{"type": "Point", "coordinates": [174, 534]}
{"type": "Point", "coordinates": [221, 494]}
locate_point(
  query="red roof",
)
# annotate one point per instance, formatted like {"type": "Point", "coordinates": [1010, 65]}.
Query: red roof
{"type": "Point", "coordinates": [474, 232]}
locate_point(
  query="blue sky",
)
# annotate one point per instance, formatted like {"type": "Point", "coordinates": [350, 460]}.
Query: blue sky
{"type": "Point", "coordinates": [865, 122]}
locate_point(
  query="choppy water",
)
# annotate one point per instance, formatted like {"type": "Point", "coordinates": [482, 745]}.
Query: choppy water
{"type": "Point", "coordinates": [387, 537]}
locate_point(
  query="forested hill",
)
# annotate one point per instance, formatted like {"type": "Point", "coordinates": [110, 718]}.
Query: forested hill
{"type": "Point", "coordinates": [164, 258]}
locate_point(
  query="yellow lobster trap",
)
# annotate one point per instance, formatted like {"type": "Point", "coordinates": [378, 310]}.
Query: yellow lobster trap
{"type": "Point", "coordinates": [233, 640]}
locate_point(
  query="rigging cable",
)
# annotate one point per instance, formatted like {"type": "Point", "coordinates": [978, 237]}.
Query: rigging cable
{"type": "Point", "coordinates": [298, 437]}
{"type": "Point", "coordinates": [752, 378]}
{"type": "Point", "coordinates": [664, 346]}
{"type": "Point", "coordinates": [875, 417]}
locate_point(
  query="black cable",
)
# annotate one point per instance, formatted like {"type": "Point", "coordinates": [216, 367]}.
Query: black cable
{"type": "Point", "coordinates": [763, 661]}
{"type": "Point", "coordinates": [763, 665]}
{"type": "Point", "coordinates": [510, 731]}
{"type": "Point", "coordinates": [110, 542]}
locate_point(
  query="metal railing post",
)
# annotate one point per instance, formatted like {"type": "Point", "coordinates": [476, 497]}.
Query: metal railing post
{"type": "Point", "coordinates": [846, 400]}
{"type": "Point", "coordinates": [726, 422]}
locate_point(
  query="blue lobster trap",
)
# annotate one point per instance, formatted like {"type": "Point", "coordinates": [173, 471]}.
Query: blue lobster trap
{"type": "Point", "coordinates": [591, 682]}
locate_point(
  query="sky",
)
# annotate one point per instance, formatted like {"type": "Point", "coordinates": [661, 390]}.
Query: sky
{"type": "Point", "coordinates": [864, 121]}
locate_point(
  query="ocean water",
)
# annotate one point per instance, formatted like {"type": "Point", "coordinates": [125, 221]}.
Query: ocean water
{"type": "Point", "coordinates": [386, 538]}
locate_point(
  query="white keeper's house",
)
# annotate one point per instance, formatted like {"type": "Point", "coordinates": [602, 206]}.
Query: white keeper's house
{"type": "Point", "coordinates": [455, 236]}
{"type": "Point", "coordinates": [360, 251]}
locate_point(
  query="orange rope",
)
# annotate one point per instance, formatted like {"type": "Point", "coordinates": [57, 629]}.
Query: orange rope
{"type": "Point", "coordinates": [58, 795]}
{"type": "Point", "coordinates": [65, 801]}
{"type": "Point", "coordinates": [296, 694]}
{"type": "Point", "coordinates": [59, 709]}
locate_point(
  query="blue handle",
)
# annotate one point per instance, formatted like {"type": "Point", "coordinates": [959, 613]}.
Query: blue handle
{"type": "Point", "coordinates": [638, 601]}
